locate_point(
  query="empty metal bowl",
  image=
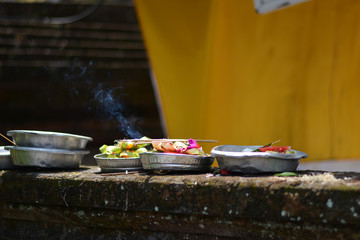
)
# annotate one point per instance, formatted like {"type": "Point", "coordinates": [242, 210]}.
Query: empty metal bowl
{"type": "Point", "coordinates": [176, 162]}
{"type": "Point", "coordinates": [233, 158]}
{"type": "Point", "coordinates": [5, 159]}
{"type": "Point", "coordinates": [46, 158]}
{"type": "Point", "coordinates": [117, 164]}
{"type": "Point", "coordinates": [51, 140]}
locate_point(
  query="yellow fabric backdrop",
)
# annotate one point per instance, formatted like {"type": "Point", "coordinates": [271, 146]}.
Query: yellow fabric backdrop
{"type": "Point", "coordinates": [227, 73]}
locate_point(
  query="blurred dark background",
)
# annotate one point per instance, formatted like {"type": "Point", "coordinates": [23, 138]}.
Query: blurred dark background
{"type": "Point", "coordinates": [89, 77]}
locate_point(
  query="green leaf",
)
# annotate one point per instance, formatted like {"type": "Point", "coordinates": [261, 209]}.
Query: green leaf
{"type": "Point", "coordinates": [113, 149]}
{"type": "Point", "coordinates": [103, 148]}
{"type": "Point", "coordinates": [141, 150]}
{"type": "Point", "coordinates": [267, 145]}
{"type": "Point", "coordinates": [144, 144]}
{"type": "Point", "coordinates": [285, 174]}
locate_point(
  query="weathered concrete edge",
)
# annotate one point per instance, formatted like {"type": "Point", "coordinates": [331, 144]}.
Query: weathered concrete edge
{"type": "Point", "coordinates": [222, 202]}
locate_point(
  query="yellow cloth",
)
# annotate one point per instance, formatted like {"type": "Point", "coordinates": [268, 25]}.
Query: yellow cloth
{"type": "Point", "coordinates": [227, 73]}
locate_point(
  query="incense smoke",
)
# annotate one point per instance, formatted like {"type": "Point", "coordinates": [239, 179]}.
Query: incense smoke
{"type": "Point", "coordinates": [113, 109]}
{"type": "Point", "coordinates": [106, 101]}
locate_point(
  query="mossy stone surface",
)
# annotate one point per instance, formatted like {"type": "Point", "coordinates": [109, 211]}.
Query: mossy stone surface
{"type": "Point", "coordinates": [86, 204]}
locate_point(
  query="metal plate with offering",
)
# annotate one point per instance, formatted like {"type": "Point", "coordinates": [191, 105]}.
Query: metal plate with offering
{"type": "Point", "coordinates": [244, 159]}
{"type": "Point", "coordinates": [155, 154]}
{"type": "Point", "coordinates": [123, 155]}
{"type": "Point", "coordinates": [177, 155]}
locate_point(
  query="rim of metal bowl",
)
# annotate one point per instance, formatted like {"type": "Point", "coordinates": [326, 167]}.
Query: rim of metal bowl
{"type": "Point", "coordinates": [99, 156]}
{"type": "Point", "coordinates": [47, 133]}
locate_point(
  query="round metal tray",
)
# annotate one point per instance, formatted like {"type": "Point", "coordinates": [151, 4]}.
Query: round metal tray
{"type": "Point", "coordinates": [46, 158]}
{"type": "Point", "coordinates": [176, 162]}
{"type": "Point", "coordinates": [51, 140]}
{"type": "Point", "coordinates": [233, 159]}
{"type": "Point", "coordinates": [117, 164]}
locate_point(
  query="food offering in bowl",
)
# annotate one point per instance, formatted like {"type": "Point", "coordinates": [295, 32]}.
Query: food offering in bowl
{"type": "Point", "coordinates": [122, 156]}
{"type": "Point", "coordinates": [257, 159]}
{"type": "Point", "coordinates": [176, 155]}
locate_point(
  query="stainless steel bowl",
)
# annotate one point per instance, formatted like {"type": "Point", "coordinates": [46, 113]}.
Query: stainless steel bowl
{"type": "Point", "coordinates": [51, 140]}
{"type": "Point", "coordinates": [233, 159]}
{"type": "Point", "coordinates": [46, 158]}
{"type": "Point", "coordinates": [5, 159]}
{"type": "Point", "coordinates": [176, 162]}
{"type": "Point", "coordinates": [117, 164]}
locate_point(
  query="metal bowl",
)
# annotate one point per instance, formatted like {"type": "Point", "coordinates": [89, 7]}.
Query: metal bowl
{"type": "Point", "coordinates": [233, 159]}
{"type": "Point", "coordinates": [51, 140]}
{"type": "Point", "coordinates": [5, 159]}
{"type": "Point", "coordinates": [117, 164]}
{"type": "Point", "coordinates": [46, 158]}
{"type": "Point", "coordinates": [176, 162]}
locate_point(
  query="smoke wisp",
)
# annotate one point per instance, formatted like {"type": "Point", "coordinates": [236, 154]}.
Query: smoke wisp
{"type": "Point", "coordinates": [107, 99]}
{"type": "Point", "coordinates": [112, 108]}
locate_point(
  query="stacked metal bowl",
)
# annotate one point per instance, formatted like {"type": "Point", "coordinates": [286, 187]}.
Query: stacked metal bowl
{"type": "Point", "coordinates": [5, 159]}
{"type": "Point", "coordinates": [47, 149]}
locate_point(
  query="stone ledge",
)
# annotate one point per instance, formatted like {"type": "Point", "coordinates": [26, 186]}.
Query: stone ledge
{"type": "Point", "coordinates": [86, 204]}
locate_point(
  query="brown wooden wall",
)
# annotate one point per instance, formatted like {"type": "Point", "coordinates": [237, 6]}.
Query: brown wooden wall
{"type": "Point", "coordinates": [61, 77]}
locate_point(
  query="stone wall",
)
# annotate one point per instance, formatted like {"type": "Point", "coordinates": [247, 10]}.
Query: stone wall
{"type": "Point", "coordinates": [86, 204]}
